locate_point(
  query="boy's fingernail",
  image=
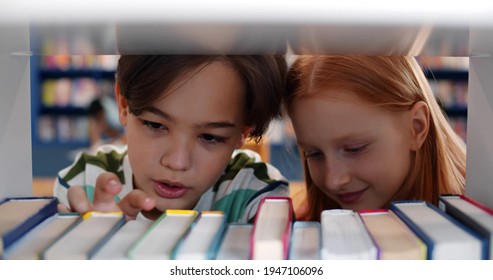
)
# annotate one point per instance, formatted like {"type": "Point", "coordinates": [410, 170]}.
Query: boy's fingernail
{"type": "Point", "coordinates": [113, 183]}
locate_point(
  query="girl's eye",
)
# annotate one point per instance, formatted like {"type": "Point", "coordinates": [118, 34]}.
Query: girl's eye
{"type": "Point", "coordinates": [355, 149]}
{"type": "Point", "coordinates": [154, 125]}
{"type": "Point", "coordinates": [209, 138]}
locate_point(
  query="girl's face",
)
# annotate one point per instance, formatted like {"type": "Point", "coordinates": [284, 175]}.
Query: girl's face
{"type": "Point", "coordinates": [180, 145]}
{"type": "Point", "coordinates": [358, 154]}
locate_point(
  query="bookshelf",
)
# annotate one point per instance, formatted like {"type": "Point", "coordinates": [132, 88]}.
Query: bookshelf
{"type": "Point", "coordinates": [62, 88]}
{"type": "Point", "coordinates": [320, 27]}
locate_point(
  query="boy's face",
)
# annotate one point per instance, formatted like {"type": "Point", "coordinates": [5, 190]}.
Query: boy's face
{"type": "Point", "coordinates": [180, 145]}
{"type": "Point", "coordinates": [358, 154]}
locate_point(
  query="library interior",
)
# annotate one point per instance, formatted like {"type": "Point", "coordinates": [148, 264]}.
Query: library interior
{"type": "Point", "coordinates": [58, 95]}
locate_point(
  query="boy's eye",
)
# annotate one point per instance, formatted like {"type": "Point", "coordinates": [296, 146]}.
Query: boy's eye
{"type": "Point", "coordinates": [313, 154]}
{"type": "Point", "coordinates": [154, 125]}
{"type": "Point", "coordinates": [209, 138]}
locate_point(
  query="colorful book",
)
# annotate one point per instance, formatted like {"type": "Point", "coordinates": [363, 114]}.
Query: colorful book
{"type": "Point", "coordinates": [471, 213]}
{"type": "Point", "coordinates": [235, 244]}
{"type": "Point", "coordinates": [82, 240]}
{"type": "Point", "coordinates": [345, 237]}
{"type": "Point", "coordinates": [445, 238]}
{"type": "Point", "coordinates": [159, 240]}
{"type": "Point", "coordinates": [30, 246]}
{"type": "Point", "coordinates": [18, 215]}
{"type": "Point", "coordinates": [120, 243]}
{"type": "Point", "coordinates": [202, 239]}
{"type": "Point", "coordinates": [394, 240]}
{"type": "Point", "coordinates": [272, 229]}
{"type": "Point", "coordinates": [306, 241]}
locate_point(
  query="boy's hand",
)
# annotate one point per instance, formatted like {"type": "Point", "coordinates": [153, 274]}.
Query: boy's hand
{"type": "Point", "coordinates": [107, 187]}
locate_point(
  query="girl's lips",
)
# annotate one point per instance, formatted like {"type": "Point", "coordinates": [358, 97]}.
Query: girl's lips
{"type": "Point", "coordinates": [351, 197]}
{"type": "Point", "coordinates": [166, 190]}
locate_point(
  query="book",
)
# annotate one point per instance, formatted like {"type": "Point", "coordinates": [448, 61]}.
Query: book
{"type": "Point", "coordinates": [18, 215]}
{"type": "Point", "coordinates": [305, 241]}
{"type": "Point", "coordinates": [445, 238]}
{"type": "Point", "coordinates": [82, 240]}
{"type": "Point", "coordinates": [272, 229]}
{"type": "Point", "coordinates": [201, 240]}
{"type": "Point", "coordinates": [471, 213]}
{"type": "Point", "coordinates": [30, 246]}
{"type": "Point", "coordinates": [159, 240]}
{"type": "Point", "coordinates": [235, 244]}
{"type": "Point", "coordinates": [120, 243]}
{"type": "Point", "coordinates": [345, 237]}
{"type": "Point", "coordinates": [394, 240]}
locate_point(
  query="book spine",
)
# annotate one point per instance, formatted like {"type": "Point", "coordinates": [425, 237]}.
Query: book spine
{"type": "Point", "coordinates": [108, 236]}
{"type": "Point", "coordinates": [361, 213]}
{"type": "Point", "coordinates": [414, 227]}
{"type": "Point", "coordinates": [286, 235]}
{"type": "Point", "coordinates": [216, 242]}
{"type": "Point", "coordinates": [48, 210]}
{"type": "Point", "coordinates": [467, 221]}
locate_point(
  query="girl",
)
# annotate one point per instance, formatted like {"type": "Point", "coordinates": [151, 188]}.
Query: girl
{"type": "Point", "coordinates": [184, 117]}
{"type": "Point", "coordinates": [370, 132]}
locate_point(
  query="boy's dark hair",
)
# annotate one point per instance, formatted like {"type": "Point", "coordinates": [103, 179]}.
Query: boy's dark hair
{"type": "Point", "coordinates": [143, 78]}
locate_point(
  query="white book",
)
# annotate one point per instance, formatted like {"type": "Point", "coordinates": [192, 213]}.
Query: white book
{"type": "Point", "coordinates": [202, 238]}
{"type": "Point", "coordinates": [85, 237]}
{"type": "Point", "coordinates": [446, 239]}
{"type": "Point", "coordinates": [272, 229]}
{"type": "Point", "coordinates": [345, 237]}
{"type": "Point", "coordinates": [235, 244]}
{"type": "Point", "coordinates": [117, 247]}
{"type": "Point", "coordinates": [30, 246]}
{"type": "Point", "coordinates": [305, 241]}
{"type": "Point", "coordinates": [159, 240]}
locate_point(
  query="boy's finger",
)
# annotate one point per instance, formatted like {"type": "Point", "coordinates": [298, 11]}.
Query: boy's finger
{"type": "Point", "coordinates": [78, 200]}
{"type": "Point", "coordinates": [107, 187]}
{"type": "Point", "coordinates": [62, 208]}
{"type": "Point", "coordinates": [134, 202]}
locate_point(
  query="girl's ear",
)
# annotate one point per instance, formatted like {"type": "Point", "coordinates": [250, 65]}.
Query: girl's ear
{"type": "Point", "coordinates": [420, 118]}
{"type": "Point", "coordinates": [244, 135]}
{"type": "Point", "coordinates": [122, 106]}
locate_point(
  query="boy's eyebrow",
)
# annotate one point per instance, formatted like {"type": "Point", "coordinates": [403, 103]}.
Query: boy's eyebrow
{"type": "Point", "coordinates": [224, 124]}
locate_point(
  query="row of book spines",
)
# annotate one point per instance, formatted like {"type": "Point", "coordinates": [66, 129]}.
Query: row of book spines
{"type": "Point", "coordinates": [77, 92]}
{"type": "Point", "coordinates": [76, 62]}
{"type": "Point", "coordinates": [424, 244]}
{"type": "Point", "coordinates": [222, 230]}
{"type": "Point", "coordinates": [188, 229]}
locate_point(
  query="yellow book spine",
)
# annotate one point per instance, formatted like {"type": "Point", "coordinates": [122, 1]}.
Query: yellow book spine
{"type": "Point", "coordinates": [96, 213]}
{"type": "Point", "coordinates": [180, 212]}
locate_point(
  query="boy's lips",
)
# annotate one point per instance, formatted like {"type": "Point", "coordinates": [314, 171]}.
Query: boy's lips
{"type": "Point", "coordinates": [170, 189]}
{"type": "Point", "coordinates": [351, 197]}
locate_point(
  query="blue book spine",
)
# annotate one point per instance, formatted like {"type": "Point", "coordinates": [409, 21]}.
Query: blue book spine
{"type": "Point", "coordinates": [48, 210]}
{"type": "Point", "coordinates": [216, 242]}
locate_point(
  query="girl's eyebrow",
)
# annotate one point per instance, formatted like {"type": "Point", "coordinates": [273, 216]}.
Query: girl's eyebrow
{"type": "Point", "coordinates": [164, 115]}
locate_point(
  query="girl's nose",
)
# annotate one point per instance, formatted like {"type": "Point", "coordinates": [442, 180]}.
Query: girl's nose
{"type": "Point", "coordinates": [336, 176]}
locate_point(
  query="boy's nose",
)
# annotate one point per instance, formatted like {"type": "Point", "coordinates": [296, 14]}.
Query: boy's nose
{"type": "Point", "coordinates": [178, 156]}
